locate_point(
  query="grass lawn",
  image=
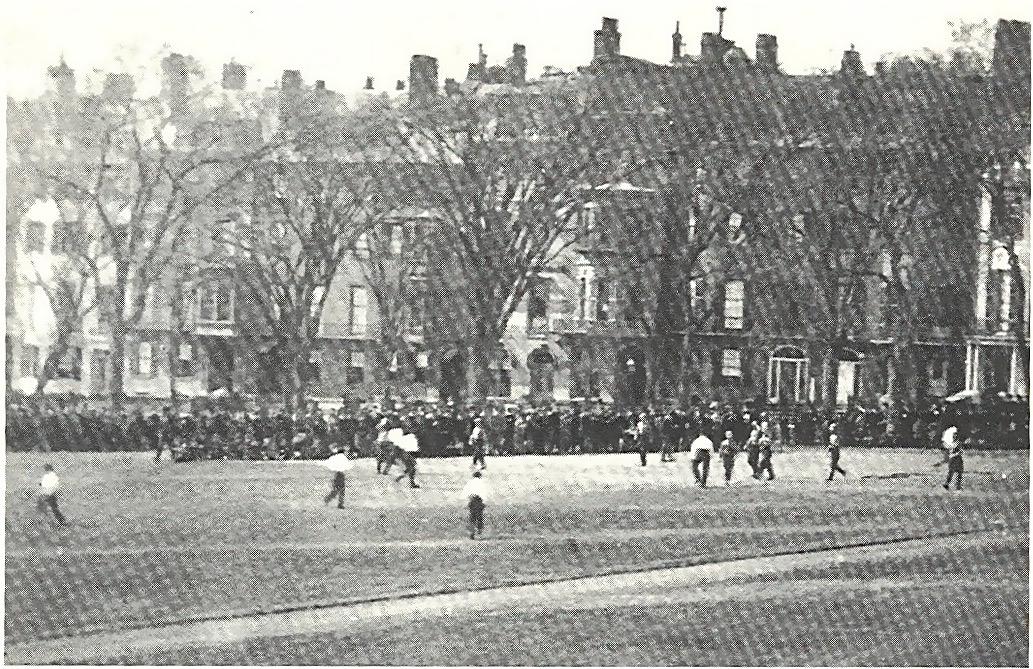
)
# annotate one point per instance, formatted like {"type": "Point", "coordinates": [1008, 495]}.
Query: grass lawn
{"type": "Point", "coordinates": [156, 542]}
{"type": "Point", "coordinates": [963, 608]}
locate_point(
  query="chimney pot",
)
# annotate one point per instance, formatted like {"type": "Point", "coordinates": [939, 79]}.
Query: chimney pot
{"type": "Point", "coordinates": [423, 78]}
{"type": "Point", "coordinates": [234, 76]}
{"type": "Point", "coordinates": [607, 40]}
{"type": "Point", "coordinates": [369, 83]}
{"type": "Point", "coordinates": [767, 51]}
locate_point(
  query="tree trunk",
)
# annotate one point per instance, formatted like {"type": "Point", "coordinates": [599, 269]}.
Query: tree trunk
{"type": "Point", "coordinates": [119, 333]}
{"type": "Point", "coordinates": [297, 387]}
{"type": "Point", "coordinates": [481, 354]}
{"type": "Point", "coordinates": [118, 366]}
{"type": "Point", "coordinates": [902, 388]}
{"type": "Point", "coordinates": [650, 360]}
{"type": "Point", "coordinates": [828, 388]}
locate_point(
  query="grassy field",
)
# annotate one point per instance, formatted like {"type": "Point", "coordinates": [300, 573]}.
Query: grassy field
{"type": "Point", "coordinates": [151, 543]}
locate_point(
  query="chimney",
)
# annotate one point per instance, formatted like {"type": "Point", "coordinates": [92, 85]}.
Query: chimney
{"type": "Point", "coordinates": [851, 65]}
{"type": "Point", "coordinates": [174, 77]}
{"type": "Point", "coordinates": [119, 86]}
{"type": "Point", "coordinates": [64, 78]}
{"type": "Point", "coordinates": [676, 42]}
{"type": "Point", "coordinates": [710, 50]}
{"type": "Point", "coordinates": [1011, 59]}
{"type": "Point", "coordinates": [369, 84]}
{"type": "Point", "coordinates": [767, 52]}
{"type": "Point", "coordinates": [607, 40]}
{"type": "Point", "coordinates": [234, 76]}
{"type": "Point", "coordinates": [517, 65]}
{"type": "Point", "coordinates": [291, 81]}
{"type": "Point", "coordinates": [320, 85]}
{"type": "Point", "coordinates": [423, 78]}
{"type": "Point", "coordinates": [452, 87]}
{"type": "Point", "coordinates": [400, 85]}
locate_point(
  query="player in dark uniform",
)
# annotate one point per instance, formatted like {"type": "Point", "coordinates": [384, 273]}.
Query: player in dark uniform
{"type": "Point", "coordinates": [834, 457]}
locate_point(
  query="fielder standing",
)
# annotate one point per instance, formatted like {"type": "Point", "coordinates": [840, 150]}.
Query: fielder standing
{"type": "Point", "coordinates": [476, 495]}
{"type": "Point", "coordinates": [48, 487]}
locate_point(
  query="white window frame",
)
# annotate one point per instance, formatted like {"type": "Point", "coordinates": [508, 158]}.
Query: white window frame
{"type": "Point", "coordinates": [358, 309]}
{"type": "Point", "coordinates": [222, 290]}
{"type": "Point", "coordinates": [731, 363]}
{"type": "Point", "coordinates": [777, 363]}
{"type": "Point", "coordinates": [144, 359]}
{"type": "Point", "coordinates": [735, 308]}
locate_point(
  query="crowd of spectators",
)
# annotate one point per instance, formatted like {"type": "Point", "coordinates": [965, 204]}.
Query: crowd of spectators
{"type": "Point", "coordinates": [35, 423]}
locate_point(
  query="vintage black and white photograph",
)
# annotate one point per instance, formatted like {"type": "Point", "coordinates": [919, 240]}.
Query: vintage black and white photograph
{"type": "Point", "coordinates": [481, 333]}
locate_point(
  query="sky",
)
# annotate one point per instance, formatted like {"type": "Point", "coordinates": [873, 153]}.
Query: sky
{"type": "Point", "coordinates": [343, 42]}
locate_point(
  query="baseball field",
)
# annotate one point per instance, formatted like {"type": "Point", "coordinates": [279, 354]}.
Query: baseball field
{"type": "Point", "coordinates": [584, 560]}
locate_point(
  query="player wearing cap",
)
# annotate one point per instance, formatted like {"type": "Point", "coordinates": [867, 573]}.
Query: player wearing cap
{"type": "Point", "coordinates": [728, 449]}
{"type": "Point", "coordinates": [953, 456]}
{"type": "Point", "coordinates": [834, 455]}
{"type": "Point", "coordinates": [476, 495]}
{"type": "Point", "coordinates": [477, 442]}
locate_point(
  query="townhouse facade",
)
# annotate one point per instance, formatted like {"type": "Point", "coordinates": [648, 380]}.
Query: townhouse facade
{"type": "Point", "coordinates": [575, 335]}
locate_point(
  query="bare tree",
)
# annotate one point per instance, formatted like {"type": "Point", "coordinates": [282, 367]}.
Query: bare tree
{"type": "Point", "coordinates": [143, 171]}
{"type": "Point", "coordinates": [506, 176]}
{"type": "Point", "coordinates": [300, 216]}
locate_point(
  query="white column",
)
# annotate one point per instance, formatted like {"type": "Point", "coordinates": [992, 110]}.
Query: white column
{"type": "Point", "coordinates": [983, 264]}
{"type": "Point", "coordinates": [1005, 301]}
{"type": "Point", "coordinates": [970, 377]}
{"type": "Point", "coordinates": [1016, 381]}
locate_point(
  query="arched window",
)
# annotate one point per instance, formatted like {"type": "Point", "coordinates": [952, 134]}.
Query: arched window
{"type": "Point", "coordinates": [501, 367]}
{"type": "Point", "coordinates": [846, 378]}
{"type": "Point", "coordinates": [787, 374]}
{"type": "Point", "coordinates": [541, 366]}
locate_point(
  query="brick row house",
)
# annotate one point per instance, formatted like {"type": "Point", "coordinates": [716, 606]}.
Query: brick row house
{"type": "Point", "coordinates": [580, 331]}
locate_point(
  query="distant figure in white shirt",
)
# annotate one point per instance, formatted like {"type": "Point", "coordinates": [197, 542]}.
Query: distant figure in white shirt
{"type": "Point", "coordinates": [48, 486]}
{"type": "Point", "coordinates": [339, 463]}
{"type": "Point", "coordinates": [700, 451]}
{"type": "Point", "coordinates": [476, 494]}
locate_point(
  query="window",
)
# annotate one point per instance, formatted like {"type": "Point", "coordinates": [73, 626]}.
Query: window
{"type": "Point", "coordinates": [223, 233]}
{"type": "Point", "coordinates": [396, 239]}
{"type": "Point", "coordinates": [69, 365]}
{"type": "Point", "coordinates": [143, 359]}
{"type": "Point", "coordinates": [787, 375]}
{"type": "Point", "coordinates": [735, 227]}
{"type": "Point", "coordinates": [500, 372]}
{"type": "Point", "coordinates": [420, 367]}
{"type": "Point", "coordinates": [317, 298]}
{"type": "Point", "coordinates": [30, 360]}
{"type": "Point", "coordinates": [846, 376]}
{"type": "Point", "coordinates": [582, 300]}
{"type": "Point", "coordinates": [589, 219]}
{"type": "Point", "coordinates": [357, 310]}
{"type": "Point", "coordinates": [35, 232]}
{"type": "Point", "coordinates": [734, 298]}
{"type": "Point", "coordinates": [105, 303]}
{"type": "Point", "coordinates": [362, 245]}
{"type": "Point", "coordinates": [185, 360]}
{"type": "Point", "coordinates": [356, 371]}
{"type": "Point", "coordinates": [215, 303]}
{"type": "Point", "coordinates": [603, 302]}
{"type": "Point", "coordinates": [538, 304]}
{"type": "Point", "coordinates": [731, 363]}
{"type": "Point", "coordinates": [67, 237]}
{"type": "Point", "coordinates": [698, 297]}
